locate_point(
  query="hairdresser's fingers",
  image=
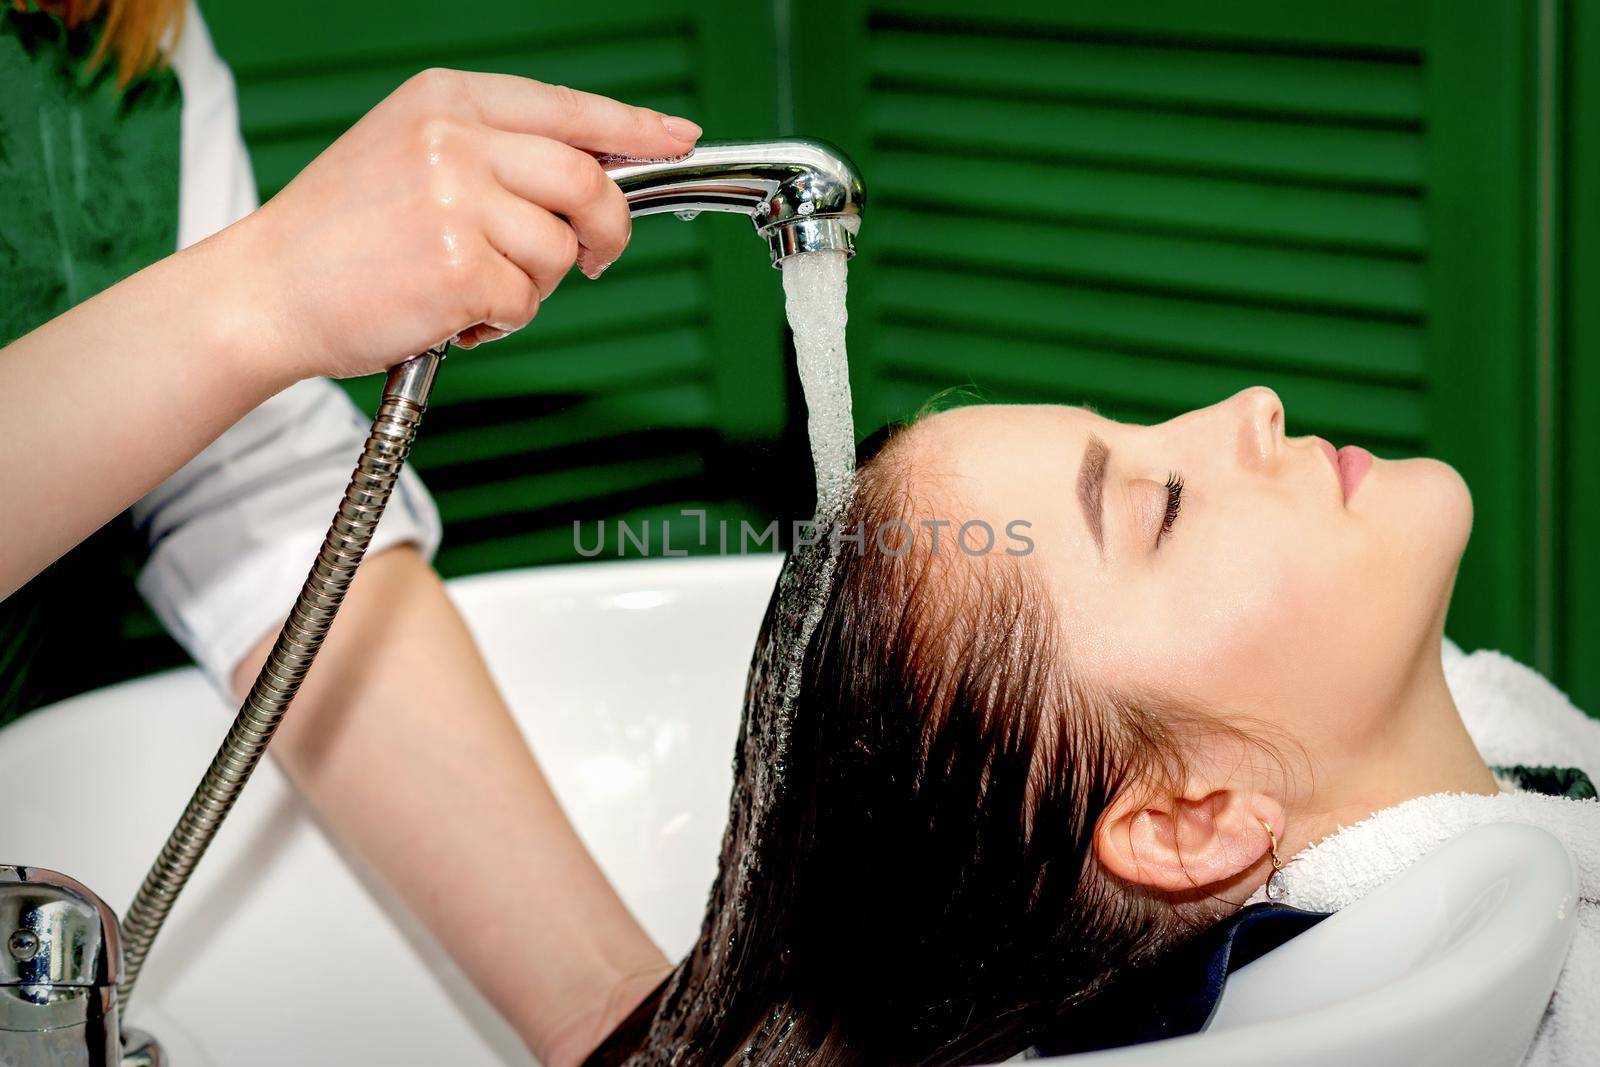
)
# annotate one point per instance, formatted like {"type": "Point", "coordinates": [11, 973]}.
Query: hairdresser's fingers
{"type": "Point", "coordinates": [503, 299]}
{"type": "Point", "coordinates": [570, 183]}
{"type": "Point", "coordinates": [473, 336]}
{"type": "Point", "coordinates": [539, 243]}
{"type": "Point", "coordinates": [584, 120]}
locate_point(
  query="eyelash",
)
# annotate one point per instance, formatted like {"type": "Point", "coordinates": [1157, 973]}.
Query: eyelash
{"type": "Point", "coordinates": [1174, 503]}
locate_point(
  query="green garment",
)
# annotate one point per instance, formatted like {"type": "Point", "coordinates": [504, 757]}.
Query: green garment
{"type": "Point", "coordinates": [88, 195]}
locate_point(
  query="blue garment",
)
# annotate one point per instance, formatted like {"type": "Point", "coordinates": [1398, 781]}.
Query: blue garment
{"type": "Point", "coordinates": [1178, 993]}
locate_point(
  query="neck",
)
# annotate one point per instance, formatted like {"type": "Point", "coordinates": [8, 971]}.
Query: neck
{"type": "Point", "coordinates": [1422, 747]}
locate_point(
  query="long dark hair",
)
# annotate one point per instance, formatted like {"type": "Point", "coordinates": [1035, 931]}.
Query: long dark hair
{"type": "Point", "coordinates": [908, 874]}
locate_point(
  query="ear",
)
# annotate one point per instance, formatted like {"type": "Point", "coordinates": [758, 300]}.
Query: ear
{"type": "Point", "coordinates": [1184, 843]}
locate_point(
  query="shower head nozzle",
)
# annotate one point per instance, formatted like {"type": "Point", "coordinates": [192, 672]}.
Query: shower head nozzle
{"type": "Point", "coordinates": [802, 195]}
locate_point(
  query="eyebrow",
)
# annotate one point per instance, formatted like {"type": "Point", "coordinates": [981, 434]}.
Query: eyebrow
{"type": "Point", "coordinates": [1091, 487]}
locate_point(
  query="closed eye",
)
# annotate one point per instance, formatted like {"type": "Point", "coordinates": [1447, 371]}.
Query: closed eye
{"type": "Point", "coordinates": [1174, 505]}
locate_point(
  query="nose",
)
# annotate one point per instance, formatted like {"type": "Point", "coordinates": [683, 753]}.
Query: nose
{"type": "Point", "coordinates": [1260, 420]}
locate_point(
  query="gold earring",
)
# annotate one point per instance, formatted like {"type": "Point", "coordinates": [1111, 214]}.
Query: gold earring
{"type": "Point", "coordinates": [1277, 861]}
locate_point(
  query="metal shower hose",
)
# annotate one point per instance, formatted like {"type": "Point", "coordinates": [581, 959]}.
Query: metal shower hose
{"type": "Point", "coordinates": [394, 429]}
{"type": "Point", "coordinates": [802, 196]}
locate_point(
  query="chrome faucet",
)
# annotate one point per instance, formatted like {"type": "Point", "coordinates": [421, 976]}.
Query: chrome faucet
{"type": "Point", "coordinates": [802, 195]}
{"type": "Point", "coordinates": [60, 961]}
{"type": "Point", "coordinates": [67, 971]}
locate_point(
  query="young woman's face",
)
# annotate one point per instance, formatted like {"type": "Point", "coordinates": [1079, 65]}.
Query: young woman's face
{"type": "Point", "coordinates": [1268, 586]}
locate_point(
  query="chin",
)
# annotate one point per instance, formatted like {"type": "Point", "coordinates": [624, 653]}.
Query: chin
{"type": "Point", "coordinates": [1433, 515]}
{"type": "Point", "coordinates": [1453, 516]}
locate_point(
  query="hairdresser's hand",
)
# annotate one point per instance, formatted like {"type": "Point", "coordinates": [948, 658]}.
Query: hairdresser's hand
{"type": "Point", "coordinates": [454, 207]}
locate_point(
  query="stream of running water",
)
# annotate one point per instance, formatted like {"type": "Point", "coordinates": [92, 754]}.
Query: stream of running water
{"type": "Point", "coordinates": [814, 285]}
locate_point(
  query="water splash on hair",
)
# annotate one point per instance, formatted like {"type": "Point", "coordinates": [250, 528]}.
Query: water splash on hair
{"type": "Point", "coordinates": [815, 286]}
{"type": "Point", "coordinates": [699, 991]}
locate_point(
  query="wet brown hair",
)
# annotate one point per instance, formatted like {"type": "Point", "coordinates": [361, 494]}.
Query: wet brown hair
{"type": "Point", "coordinates": [135, 30]}
{"type": "Point", "coordinates": [908, 874]}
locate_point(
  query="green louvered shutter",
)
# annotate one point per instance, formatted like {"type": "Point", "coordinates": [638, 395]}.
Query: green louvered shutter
{"type": "Point", "coordinates": [1148, 206]}
{"type": "Point", "coordinates": [1379, 207]}
{"type": "Point", "coordinates": [634, 396]}
{"type": "Point", "coordinates": [1579, 387]}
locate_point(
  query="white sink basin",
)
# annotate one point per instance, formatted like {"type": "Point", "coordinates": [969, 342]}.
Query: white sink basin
{"type": "Point", "coordinates": [280, 951]}
{"type": "Point", "coordinates": [627, 679]}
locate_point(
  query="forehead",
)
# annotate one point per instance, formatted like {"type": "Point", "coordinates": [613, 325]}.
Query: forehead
{"type": "Point", "coordinates": [1007, 432]}
{"type": "Point", "coordinates": [996, 457]}
{"type": "Point", "coordinates": [1011, 464]}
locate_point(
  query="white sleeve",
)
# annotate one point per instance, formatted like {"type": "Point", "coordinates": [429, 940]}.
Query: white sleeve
{"type": "Point", "coordinates": [233, 533]}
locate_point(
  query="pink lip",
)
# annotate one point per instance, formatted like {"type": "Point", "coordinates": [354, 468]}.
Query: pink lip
{"type": "Point", "coordinates": [1351, 463]}
{"type": "Point", "coordinates": [1354, 462]}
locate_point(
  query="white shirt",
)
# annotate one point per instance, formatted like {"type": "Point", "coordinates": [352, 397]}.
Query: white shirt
{"type": "Point", "coordinates": [234, 532]}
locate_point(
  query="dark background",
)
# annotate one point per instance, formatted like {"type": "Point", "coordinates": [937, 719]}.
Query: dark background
{"type": "Point", "coordinates": [1384, 210]}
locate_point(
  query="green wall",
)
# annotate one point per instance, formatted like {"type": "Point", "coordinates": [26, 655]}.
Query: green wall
{"type": "Point", "coordinates": [1141, 205]}
{"type": "Point", "coordinates": [1576, 237]}
{"type": "Point", "coordinates": [659, 387]}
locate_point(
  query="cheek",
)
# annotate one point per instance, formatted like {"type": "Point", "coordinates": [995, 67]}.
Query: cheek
{"type": "Point", "coordinates": [1262, 629]}
{"type": "Point", "coordinates": [1239, 637]}
{"type": "Point", "coordinates": [1203, 631]}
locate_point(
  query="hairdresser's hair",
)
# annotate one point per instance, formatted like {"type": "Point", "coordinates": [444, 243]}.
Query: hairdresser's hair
{"type": "Point", "coordinates": [925, 890]}
{"type": "Point", "coordinates": [135, 30]}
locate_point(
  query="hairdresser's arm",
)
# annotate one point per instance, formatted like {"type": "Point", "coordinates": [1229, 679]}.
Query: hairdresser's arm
{"type": "Point", "coordinates": [101, 404]}
{"type": "Point", "coordinates": [455, 206]}
{"type": "Point", "coordinates": [402, 743]}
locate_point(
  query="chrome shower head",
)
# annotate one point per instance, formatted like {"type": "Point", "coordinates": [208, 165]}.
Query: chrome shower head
{"type": "Point", "coordinates": [802, 195]}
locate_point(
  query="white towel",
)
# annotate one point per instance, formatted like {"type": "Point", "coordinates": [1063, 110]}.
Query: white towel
{"type": "Point", "coordinates": [1514, 716]}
